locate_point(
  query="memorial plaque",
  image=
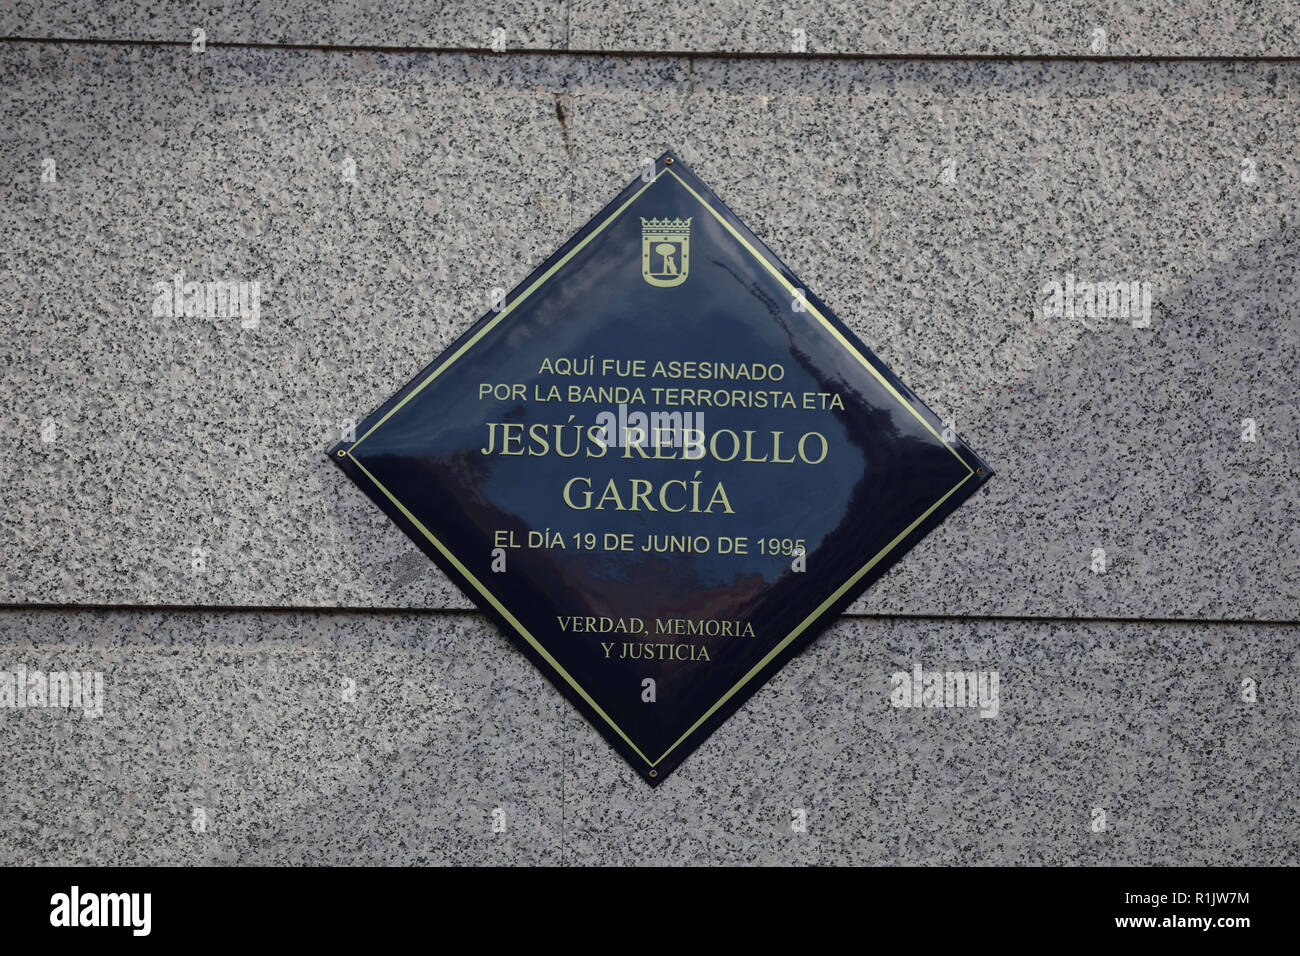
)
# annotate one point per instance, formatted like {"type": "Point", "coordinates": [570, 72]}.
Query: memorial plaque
{"type": "Point", "coordinates": [660, 466]}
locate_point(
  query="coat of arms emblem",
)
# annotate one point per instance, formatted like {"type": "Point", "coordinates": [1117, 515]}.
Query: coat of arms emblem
{"type": "Point", "coordinates": [665, 250]}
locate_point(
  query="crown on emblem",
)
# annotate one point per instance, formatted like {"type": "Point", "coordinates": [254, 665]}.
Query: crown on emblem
{"type": "Point", "coordinates": [667, 227]}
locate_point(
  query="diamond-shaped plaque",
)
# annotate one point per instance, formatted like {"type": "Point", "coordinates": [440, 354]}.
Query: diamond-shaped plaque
{"type": "Point", "coordinates": [660, 466]}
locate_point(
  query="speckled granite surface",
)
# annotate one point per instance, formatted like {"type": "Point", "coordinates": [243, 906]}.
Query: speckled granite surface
{"type": "Point", "coordinates": [378, 198]}
{"type": "Point", "coordinates": [243, 715]}
{"type": "Point", "coordinates": [1004, 27]}
{"type": "Point", "coordinates": [527, 24]}
{"type": "Point", "coordinates": [303, 739]}
{"type": "Point", "coordinates": [927, 203]}
{"type": "Point", "coordinates": [1142, 722]}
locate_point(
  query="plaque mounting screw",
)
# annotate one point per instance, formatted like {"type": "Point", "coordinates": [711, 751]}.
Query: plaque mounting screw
{"type": "Point", "coordinates": [668, 161]}
{"type": "Point", "coordinates": [980, 472]}
{"type": "Point", "coordinates": [341, 452]}
{"type": "Point", "coordinates": [654, 773]}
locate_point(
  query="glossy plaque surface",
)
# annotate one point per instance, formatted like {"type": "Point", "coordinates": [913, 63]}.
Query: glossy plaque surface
{"type": "Point", "coordinates": [660, 466]}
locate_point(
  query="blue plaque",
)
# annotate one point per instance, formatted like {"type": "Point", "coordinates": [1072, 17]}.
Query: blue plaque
{"type": "Point", "coordinates": [660, 466]}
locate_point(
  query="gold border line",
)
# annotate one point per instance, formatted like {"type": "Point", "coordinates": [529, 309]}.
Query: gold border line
{"type": "Point", "coordinates": [508, 309]}
{"type": "Point", "coordinates": [514, 622]}
{"type": "Point", "coordinates": [504, 612]}
{"type": "Point", "coordinates": [793, 290]}
{"type": "Point", "coordinates": [803, 625]}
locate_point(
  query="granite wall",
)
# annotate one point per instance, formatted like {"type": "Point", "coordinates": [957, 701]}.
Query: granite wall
{"type": "Point", "coordinates": [287, 679]}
